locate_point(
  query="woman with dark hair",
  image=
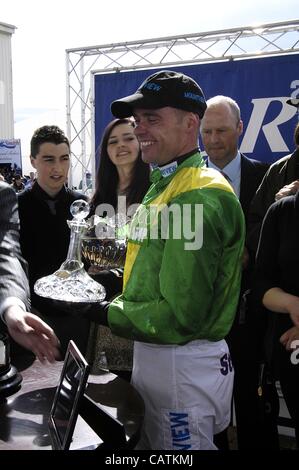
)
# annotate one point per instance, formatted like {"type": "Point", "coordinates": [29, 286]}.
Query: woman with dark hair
{"type": "Point", "coordinates": [121, 172]}
{"type": "Point", "coordinates": [121, 169]}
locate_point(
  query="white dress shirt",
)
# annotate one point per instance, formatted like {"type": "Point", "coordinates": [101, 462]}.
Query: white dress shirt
{"type": "Point", "coordinates": [232, 171]}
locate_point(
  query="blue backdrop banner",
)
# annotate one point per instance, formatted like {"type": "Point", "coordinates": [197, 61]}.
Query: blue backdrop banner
{"type": "Point", "coordinates": [260, 87]}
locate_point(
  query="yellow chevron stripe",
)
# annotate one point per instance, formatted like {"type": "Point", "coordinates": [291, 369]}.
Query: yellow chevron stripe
{"type": "Point", "coordinates": [185, 180]}
{"type": "Point", "coordinates": [132, 252]}
{"type": "Point", "coordinates": [188, 179]}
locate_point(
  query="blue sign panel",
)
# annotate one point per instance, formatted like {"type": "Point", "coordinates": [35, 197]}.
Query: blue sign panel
{"type": "Point", "coordinates": [260, 87]}
{"type": "Point", "coordinates": [10, 153]}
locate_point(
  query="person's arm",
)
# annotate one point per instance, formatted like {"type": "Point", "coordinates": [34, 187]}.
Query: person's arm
{"type": "Point", "coordinates": [13, 279]}
{"type": "Point", "coordinates": [25, 328]}
{"type": "Point", "coordinates": [268, 283]}
{"type": "Point", "coordinates": [32, 333]}
{"type": "Point", "coordinates": [279, 301]}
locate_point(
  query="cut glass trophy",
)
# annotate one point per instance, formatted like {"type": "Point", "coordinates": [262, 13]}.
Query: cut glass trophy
{"type": "Point", "coordinates": [71, 283]}
{"type": "Point", "coordinates": [104, 244]}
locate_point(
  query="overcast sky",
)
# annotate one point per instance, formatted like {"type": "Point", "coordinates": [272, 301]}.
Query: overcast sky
{"type": "Point", "coordinates": [46, 29]}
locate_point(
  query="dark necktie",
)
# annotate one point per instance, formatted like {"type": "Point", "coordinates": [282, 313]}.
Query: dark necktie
{"type": "Point", "coordinates": [52, 206]}
{"type": "Point", "coordinates": [226, 176]}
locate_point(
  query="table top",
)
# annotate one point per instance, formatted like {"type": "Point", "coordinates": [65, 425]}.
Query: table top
{"type": "Point", "coordinates": [24, 415]}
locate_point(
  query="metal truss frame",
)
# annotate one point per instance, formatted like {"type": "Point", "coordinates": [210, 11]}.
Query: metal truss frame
{"type": "Point", "coordinates": [213, 46]}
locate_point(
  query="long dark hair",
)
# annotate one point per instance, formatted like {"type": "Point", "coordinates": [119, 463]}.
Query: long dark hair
{"type": "Point", "coordinates": [107, 175]}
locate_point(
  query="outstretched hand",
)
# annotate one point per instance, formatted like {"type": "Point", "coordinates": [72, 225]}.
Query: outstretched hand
{"type": "Point", "coordinates": [290, 339]}
{"type": "Point", "coordinates": [32, 333]}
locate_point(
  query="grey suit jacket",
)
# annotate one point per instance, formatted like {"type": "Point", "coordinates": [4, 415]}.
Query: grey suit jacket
{"type": "Point", "coordinates": [13, 279]}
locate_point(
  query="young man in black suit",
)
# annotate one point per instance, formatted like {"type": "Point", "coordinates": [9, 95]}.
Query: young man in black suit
{"type": "Point", "coordinates": [25, 328]}
{"type": "Point", "coordinates": [44, 210]}
{"type": "Point", "coordinates": [220, 130]}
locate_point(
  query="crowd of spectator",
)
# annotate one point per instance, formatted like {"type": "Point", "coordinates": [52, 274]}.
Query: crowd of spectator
{"type": "Point", "coordinates": [12, 175]}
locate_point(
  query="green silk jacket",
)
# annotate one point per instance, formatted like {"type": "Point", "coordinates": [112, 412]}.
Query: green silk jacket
{"type": "Point", "coordinates": [183, 265]}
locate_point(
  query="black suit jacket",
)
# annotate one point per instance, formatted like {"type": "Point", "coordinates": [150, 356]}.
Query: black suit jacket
{"type": "Point", "coordinates": [45, 237]}
{"type": "Point", "coordinates": [13, 280]}
{"type": "Point", "coordinates": [44, 232]}
{"type": "Point", "coordinates": [252, 173]}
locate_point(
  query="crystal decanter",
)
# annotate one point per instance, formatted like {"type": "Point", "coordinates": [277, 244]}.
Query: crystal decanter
{"type": "Point", "coordinates": [71, 283]}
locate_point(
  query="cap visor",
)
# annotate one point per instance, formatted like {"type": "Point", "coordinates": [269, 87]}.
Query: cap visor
{"type": "Point", "coordinates": [125, 107]}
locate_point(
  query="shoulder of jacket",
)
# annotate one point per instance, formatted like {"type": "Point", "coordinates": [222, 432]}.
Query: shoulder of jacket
{"type": "Point", "coordinates": [257, 163]}
{"type": "Point", "coordinates": [281, 162]}
{"type": "Point", "coordinates": [6, 187]}
{"type": "Point", "coordinates": [23, 195]}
